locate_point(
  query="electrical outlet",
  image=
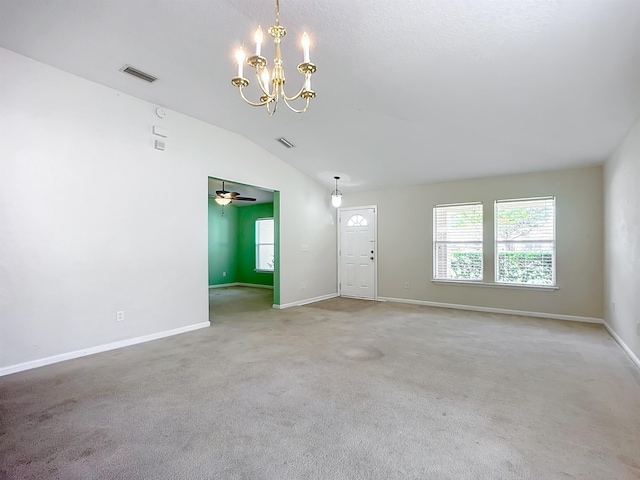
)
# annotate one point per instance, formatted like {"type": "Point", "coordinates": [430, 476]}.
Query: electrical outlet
{"type": "Point", "coordinates": [120, 316]}
{"type": "Point", "coordinates": [613, 307]}
{"type": "Point", "coordinates": [406, 284]}
{"type": "Point", "coordinates": [224, 274]}
{"type": "Point", "coordinates": [303, 285]}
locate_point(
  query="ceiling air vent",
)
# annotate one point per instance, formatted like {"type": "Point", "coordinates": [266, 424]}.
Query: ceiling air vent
{"type": "Point", "coordinates": [138, 73]}
{"type": "Point", "coordinates": [285, 142]}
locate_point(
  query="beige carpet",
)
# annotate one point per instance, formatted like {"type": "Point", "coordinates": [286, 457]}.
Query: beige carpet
{"type": "Point", "coordinates": [340, 304]}
{"type": "Point", "coordinates": [377, 391]}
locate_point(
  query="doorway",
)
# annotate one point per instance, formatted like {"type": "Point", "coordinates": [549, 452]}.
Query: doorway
{"type": "Point", "coordinates": [237, 247]}
{"type": "Point", "coordinates": [357, 252]}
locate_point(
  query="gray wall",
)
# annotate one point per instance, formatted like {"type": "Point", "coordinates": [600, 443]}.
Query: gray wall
{"type": "Point", "coordinates": [622, 240]}
{"type": "Point", "coordinates": [94, 220]}
{"type": "Point", "coordinates": [405, 220]}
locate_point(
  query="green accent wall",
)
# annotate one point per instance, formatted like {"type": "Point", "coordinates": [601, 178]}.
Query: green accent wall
{"type": "Point", "coordinates": [223, 244]}
{"type": "Point", "coordinates": [232, 247]}
{"type": "Point", "coordinates": [276, 273]}
{"type": "Point", "coordinates": [246, 260]}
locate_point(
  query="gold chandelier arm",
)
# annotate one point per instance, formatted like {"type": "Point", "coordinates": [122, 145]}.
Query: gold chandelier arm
{"type": "Point", "coordinates": [296, 96]}
{"type": "Point", "coordinates": [264, 91]}
{"type": "Point", "coordinates": [307, 69]}
{"type": "Point", "coordinates": [254, 104]}
{"type": "Point", "coordinates": [275, 107]}
{"type": "Point", "coordinates": [295, 109]}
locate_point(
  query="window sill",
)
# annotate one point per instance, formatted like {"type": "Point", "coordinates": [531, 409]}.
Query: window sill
{"type": "Point", "coordinates": [516, 286]}
{"type": "Point", "coordinates": [263, 271]}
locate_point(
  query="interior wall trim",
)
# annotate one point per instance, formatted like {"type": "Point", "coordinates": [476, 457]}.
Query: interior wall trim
{"type": "Point", "coordinates": [305, 301]}
{"type": "Point", "coordinates": [240, 284]}
{"type": "Point", "coordinates": [555, 316]}
{"type": "Point", "coordinates": [624, 346]}
{"type": "Point", "coordinates": [20, 367]}
{"type": "Point", "coordinates": [254, 285]}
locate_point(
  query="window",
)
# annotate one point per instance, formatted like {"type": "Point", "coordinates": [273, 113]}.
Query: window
{"type": "Point", "coordinates": [357, 221]}
{"type": "Point", "coordinates": [457, 246]}
{"type": "Point", "coordinates": [525, 241]}
{"type": "Point", "coordinates": [265, 244]}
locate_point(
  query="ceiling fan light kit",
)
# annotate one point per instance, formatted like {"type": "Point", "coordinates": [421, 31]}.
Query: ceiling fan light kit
{"type": "Point", "coordinates": [272, 83]}
{"type": "Point", "coordinates": [224, 197]}
{"type": "Point", "coordinates": [336, 195]}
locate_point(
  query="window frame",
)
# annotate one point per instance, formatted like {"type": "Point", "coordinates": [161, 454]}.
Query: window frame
{"type": "Point", "coordinates": [258, 244]}
{"type": "Point", "coordinates": [436, 243]}
{"type": "Point", "coordinates": [553, 243]}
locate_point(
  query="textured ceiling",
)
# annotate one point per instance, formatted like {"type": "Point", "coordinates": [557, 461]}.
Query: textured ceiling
{"type": "Point", "coordinates": [408, 92]}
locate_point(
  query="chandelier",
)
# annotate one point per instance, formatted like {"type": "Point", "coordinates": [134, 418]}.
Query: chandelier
{"type": "Point", "coordinates": [271, 84]}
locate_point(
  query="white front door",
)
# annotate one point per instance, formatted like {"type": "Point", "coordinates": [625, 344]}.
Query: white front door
{"type": "Point", "coordinates": [357, 252]}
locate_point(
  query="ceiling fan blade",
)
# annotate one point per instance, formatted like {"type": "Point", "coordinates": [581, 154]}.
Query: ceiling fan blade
{"type": "Point", "coordinates": [232, 195]}
{"type": "Point", "coordinates": [225, 194]}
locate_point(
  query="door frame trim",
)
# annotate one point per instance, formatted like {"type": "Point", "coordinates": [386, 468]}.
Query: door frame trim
{"type": "Point", "coordinates": [339, 213]}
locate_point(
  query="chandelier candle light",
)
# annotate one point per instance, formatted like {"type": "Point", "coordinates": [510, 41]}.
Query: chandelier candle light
{"type": "Point", "coordinates": [272, 84]}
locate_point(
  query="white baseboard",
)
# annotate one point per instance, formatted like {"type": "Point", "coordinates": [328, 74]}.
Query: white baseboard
{"type": "Point", "coordinates": [255, 285]}
{"type": "Point", "coordinates": [224, 285]}
{"type": "Point", "coordinates": [98, 349]}
{"type": "Point", "coordinates": [240, 284]}
{"type": "Point", "coordinates": [555, 316]}
{"type": "Point", "coordinates": [624, 346]}
{"type": "Point", "coordinates": [306, 301]}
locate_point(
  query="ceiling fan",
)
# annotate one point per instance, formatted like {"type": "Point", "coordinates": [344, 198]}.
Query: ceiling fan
{"type": "Point", "coordinates": [224, 197]}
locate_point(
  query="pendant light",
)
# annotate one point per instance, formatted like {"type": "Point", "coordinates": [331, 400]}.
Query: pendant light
{"type": "Point", "coordinates": [336, 195]}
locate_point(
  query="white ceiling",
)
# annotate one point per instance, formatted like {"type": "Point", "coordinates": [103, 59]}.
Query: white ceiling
{"type": "Point", "coordinates": [409, 92]}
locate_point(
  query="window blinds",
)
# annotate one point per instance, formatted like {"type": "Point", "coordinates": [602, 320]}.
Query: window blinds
{"type": "Point", "coordinates": [525, 241]}
{"type": "Point", "coordinates": [457, 246]}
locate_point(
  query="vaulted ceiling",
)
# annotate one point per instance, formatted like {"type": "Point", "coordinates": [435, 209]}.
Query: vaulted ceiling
{"type": "Point", "coordinates": [407, 92]}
